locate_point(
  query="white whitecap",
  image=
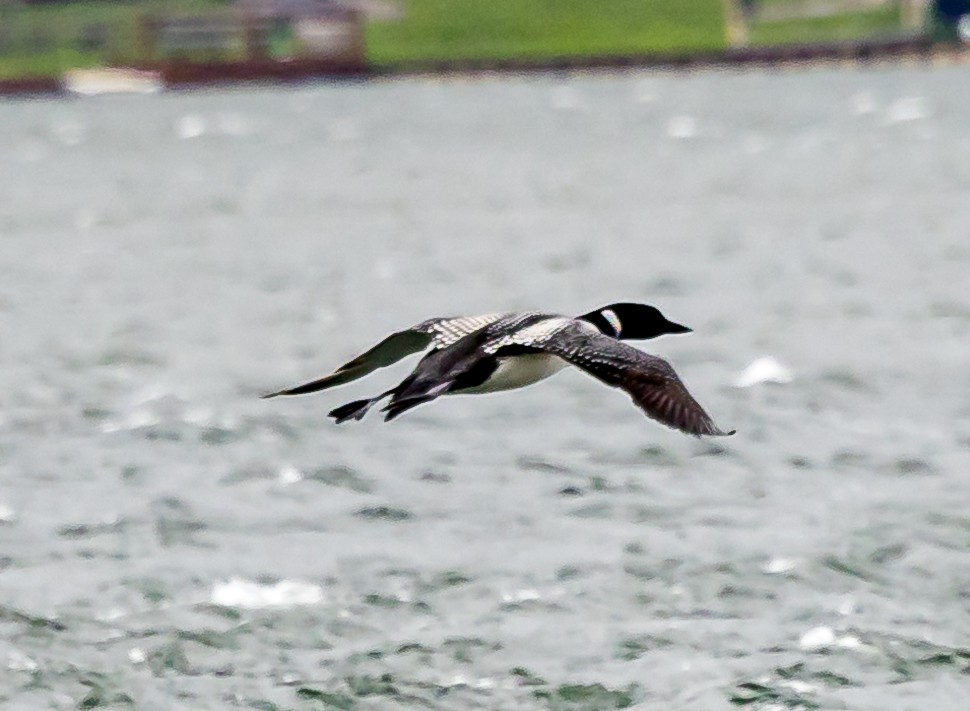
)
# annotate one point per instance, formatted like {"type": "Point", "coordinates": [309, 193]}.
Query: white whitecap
{"type": "Point", "coordinates": [908, 108]}
{"type": "Point", "coordinates": [198, 416]}
{"type": "Point", "coordinates": [524, 595]}
{"type": "Point", "coordinates": [139, 419]}
{"type": "Point", "coordinates": [847, 606]}
{"type": "Point", "coordinates": [289, 474]}
{"type": "Point", "coordinates": [249, 595]}
{"type": "Point", "coordinates": [848, 642]}
{"type": "Point", "coordinates": [778, 566]}
{"type": "Point", "coordinates": [7, 514]}
{"type": "Point", "coordinates": [817, 638]}
{"type": "Point", "coordinates": [763, 370]}
{"type": "Point", "coordinates": [18, 661]}
{"type": "Point", "coordinates": [798, 686]}
{"type": "Point", "coordinates": [190, 126]}
{"type": "Point", "coordinates": [110, 615]}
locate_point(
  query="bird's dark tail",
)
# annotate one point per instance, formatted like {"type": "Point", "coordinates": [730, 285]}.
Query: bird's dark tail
{"type": "Point", "coordinates": [355, 410]}
{"type": "Point", "coordinates": [398, 408]}
{"type": "Point", "coordinates": [399, 404]}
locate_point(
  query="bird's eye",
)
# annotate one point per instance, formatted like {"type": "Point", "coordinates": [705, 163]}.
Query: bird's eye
{"type": "Point", "coordinates": [613, 320]}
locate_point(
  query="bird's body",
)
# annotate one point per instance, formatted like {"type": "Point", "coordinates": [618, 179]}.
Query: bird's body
{"type": "Point", "coordinates": [505, 351]}
{"type": "Point", "coordinates": [513, 372]}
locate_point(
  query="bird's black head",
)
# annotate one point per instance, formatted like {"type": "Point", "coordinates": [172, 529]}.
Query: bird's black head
{"type": "Point", "coordinates": [630, 321]}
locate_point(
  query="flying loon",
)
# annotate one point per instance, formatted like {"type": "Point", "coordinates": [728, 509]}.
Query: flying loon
{"type": "Point", "coordinates": [503, 351]}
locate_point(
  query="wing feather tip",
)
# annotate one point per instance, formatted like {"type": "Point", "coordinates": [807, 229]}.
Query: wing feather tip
{"type": "Point", "coordinates": [714, 431]}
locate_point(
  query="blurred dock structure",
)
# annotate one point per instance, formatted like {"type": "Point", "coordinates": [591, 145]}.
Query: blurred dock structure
{"type": "Point", "coordinates": [247, 39]}
{"type": "Point", "coordinates": [253, 31]}
{"type": "Point", "coordinates": [277, 40]}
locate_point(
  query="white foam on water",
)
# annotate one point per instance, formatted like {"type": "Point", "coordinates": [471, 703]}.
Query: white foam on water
{"type": "Point", "coordinates": [132, 421]}
{"type": "Point", "coordinates": [847, 606]}
{"type": "Point", "coordinates": [848, 642]}
{"type": "Point", "coordinates": [114, 613]}
{"type": "Point", "coordinates": [524, 595]}
{"type": "Point", "coordinates": [7, 514]}
{"type": "Point", "coordinates": [136, 655]}
{"type": "Point", "coordinates": [799, 686]}
{"type": "Point", "coordinates": [18, 661]}
{"type": "Point", "coordinates": [777, 566]}
{"type": "Point", "coordinates": [289, 474]}
{"type": "Point", "coordinates": [250, 595]}
{"type": "Point", "coordinates": [763, 370]}
{"type": "Point", "coordinates": [908, 108]}
{"type": "Point", "coordinates": [817, 638]}
{"type": "Point", "coordinates": [198, 416]}
{"type": "Point", "coordinates": [403, 595]}
{"type": "Point", "coordinates": [190, 126]}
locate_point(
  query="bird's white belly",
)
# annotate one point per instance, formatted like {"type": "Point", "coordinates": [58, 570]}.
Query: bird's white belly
{"type": "Point", "coordinates": [519, 371]}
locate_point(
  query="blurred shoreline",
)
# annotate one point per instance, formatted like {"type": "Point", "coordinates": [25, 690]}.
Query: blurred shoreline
{"type": "Point", "coordinates": [189, 75]}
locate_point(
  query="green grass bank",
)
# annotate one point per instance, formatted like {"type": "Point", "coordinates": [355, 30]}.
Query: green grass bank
{"type": "Point", "coordinates": [509, 29]}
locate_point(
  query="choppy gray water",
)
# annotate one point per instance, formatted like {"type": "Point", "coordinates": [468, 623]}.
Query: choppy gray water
{"type": "Point", "coordinates": [169, 541]}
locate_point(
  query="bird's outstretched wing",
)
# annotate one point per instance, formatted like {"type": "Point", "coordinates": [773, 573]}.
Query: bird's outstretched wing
{"type": "Point", "coordinates": [650, 381]}
{"type": "Point", "coordinates": [436, 333]}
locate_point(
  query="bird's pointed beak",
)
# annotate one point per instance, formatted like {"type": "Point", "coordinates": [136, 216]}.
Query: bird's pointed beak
{"type": "Point", "coordinates": [677, 328]}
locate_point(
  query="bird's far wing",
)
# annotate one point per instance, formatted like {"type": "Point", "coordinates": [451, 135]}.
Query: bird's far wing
{"type": "Point", "coordinates": [436, 332]}
{"type": "Point", "coordinates": [447, 331]}
{"type": "Point", "coordinates": [387, 352]}
{"type": "Point", "coordinates": [650, 381]}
